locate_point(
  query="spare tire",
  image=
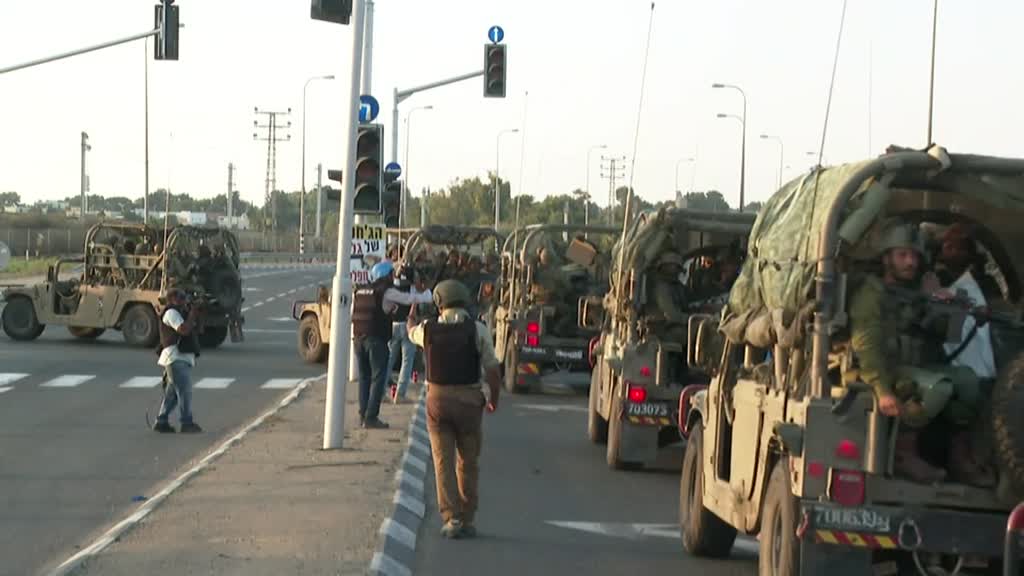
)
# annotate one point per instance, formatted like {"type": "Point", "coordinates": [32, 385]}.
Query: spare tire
{"type": "Point", "coordinates": [1007, 430]}
{"type": "Point", "coordinates": [225, 285]}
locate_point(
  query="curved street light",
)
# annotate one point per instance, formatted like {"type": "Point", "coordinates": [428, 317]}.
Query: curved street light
{"type": "Point", "coordinates": [743, 152]}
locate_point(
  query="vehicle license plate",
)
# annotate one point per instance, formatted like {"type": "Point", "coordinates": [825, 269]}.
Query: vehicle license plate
{"type": "Point", "coordinates": [653, 409]}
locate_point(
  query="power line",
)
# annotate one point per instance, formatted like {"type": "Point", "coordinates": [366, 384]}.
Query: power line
{"type": "Point", "coordinates": [272, 138]}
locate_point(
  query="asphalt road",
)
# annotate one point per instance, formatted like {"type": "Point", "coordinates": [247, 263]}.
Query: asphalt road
{"type": "Point", "coordinates": [74, 445]}
{"type": "Point", "coordinates": [549, 505]}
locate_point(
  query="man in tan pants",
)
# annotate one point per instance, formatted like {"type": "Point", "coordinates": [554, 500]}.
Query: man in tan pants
{"type": "Point", "coordinates": [459, 358]}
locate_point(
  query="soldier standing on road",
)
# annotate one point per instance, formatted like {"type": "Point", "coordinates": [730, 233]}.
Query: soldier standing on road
{"type": "Point", "coordinates": [400, 343]}
{"type": "Point", "coordinates": [371, 331]}
{"type": "Point", "coordinates": [455, 402]}
{"type": "Point", "coordinates": [179, 348]}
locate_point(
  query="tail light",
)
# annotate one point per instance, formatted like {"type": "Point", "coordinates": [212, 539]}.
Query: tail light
{"type": "Point", "coordinates": [645, 371]}
{"type": "Point", "coordinates": [848, 449]}
{"type": "Point", "coordinates": [532, 340]}
{"type": "Point", "coordinates": [846, 487]}
{"type": "Point", "coordinates": [637, 394]}
{"type": "Point", "coordinates": [533, 328]}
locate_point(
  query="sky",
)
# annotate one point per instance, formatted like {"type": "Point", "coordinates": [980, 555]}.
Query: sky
{"type": "Point", "coordinates": [574, 81]}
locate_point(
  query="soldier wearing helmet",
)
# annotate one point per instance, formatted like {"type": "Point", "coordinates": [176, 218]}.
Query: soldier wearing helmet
{"type": "Point", "coordinates": [667, 301]}
{"type": "Point", "coordinates": [459, 357]}
{"type": "Point", "coordinates": [889, 350]}
{"type": "Point", "coordinates": [372, 309]}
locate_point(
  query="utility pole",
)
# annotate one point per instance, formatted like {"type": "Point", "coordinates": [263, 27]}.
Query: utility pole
{"type": "Point", "coordinates": [272, 138]}
{"type": "Point", "coordinates": [85, 177]}
{"type": "Point", "coordinates": [145, 191]}
{"type": "Point", "coordinates": [231, 195]}
{"type": "Point", "coordinates": [368, 52]}
{"type": "Point", "coordinates": [319, 196]}
{"type": "Point", "coordinates": [613, 170]}
{"type": "Point", "coordinates": [565, 220]}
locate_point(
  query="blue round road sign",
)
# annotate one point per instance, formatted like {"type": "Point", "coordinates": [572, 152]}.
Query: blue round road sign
{"type": "Point", "coordinates": [393, 169]}
{"type": "Point", "coordinates": [368, 108]}
{"type": "Point", "coordinates": [495, 34]}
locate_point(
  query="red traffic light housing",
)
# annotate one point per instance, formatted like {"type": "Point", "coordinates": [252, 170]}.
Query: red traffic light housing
{"type": "Point", "coordinates": [369, 175]}
{"type": "Point", "coordinates": [165, 16]}
{"type": "Point", "coordinates": [494, 70]}
{"type": "Point", "coordinates": [391, 204]}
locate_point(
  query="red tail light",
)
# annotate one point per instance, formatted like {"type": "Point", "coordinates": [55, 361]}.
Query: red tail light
{"type": "Point", "coordinates": [848, 449]}
{"type": "Point", "coordinates": [637, 394]}
{"type": "Point", "coordinates": [846, 487]}
{"type": "Point", "coordinates": [533, 328]}
{"type": "Point", "coordinates": [532, 341]}
{"type": "Point", "coordinates": [815, 469]}
{"type": "Point", "coordinates": [645, 371]}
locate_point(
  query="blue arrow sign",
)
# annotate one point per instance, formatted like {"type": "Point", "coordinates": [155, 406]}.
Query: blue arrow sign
{"type": "Point", "coordinates": [495, 34]}
{"type": "Point", "coordinates": [393, 169]}
{"type": "Point", "coordinates": [368, 108]}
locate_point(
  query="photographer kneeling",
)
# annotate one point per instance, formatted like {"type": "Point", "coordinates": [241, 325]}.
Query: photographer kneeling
{"type": "Point", "coordinates": [179, 348]}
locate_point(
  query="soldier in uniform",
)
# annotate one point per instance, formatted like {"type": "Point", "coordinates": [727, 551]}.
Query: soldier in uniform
{"type": "Point", "coordinates": [666, 304]}
{"type": "Point", "coordinates": [550, 288]}
{"type": "Point", "coordinates": [455, 401]}
{"type": "Point", "coordinates": [890, 353]}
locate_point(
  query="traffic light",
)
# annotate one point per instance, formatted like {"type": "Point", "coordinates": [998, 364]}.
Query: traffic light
{"type": "Point", "coordinates": [331, 193]}
{"type": "Point", "coordinates": [166, 41]}
{"type": "Point", "coordinates": [369, 177]}
{"type": "Point", "coordinates": [337, 11]}
{"type": "Point", "coordinates": [494, 71]}
{"type": "Point", "coordinates": [391, 203]}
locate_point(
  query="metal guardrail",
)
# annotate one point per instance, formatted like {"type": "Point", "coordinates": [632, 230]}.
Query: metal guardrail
{"type": "Point", "coordinates": [287, 258]}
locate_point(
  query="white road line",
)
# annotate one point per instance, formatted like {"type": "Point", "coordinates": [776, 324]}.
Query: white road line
{"type": "Point", "coordinates": [269, 331]}
{"type": "Point", "coordinates": [257, 305]}
{"type": "Point", "coordinates": [214, 383]}
{"type": "Point", "coordinates": [271, 299]}
{"type": "Point", "coordinates": [282, 295]}
{"type": "Point", "coordinates": [5, 389]}
{"type": "Point", "coordinates": [281, 383]}
{"type": "Point", "coordinates": [11, 378]}
{"type": "Point", "coordinates": [141, 382]}
{"type": "Point", "coordinates": [68, 381]}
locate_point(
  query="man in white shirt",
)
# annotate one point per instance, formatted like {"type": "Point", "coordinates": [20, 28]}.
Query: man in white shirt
{"type": "Point", "coordinates": [399, 313]}
{"type": "Point", "coordinates": [179, 347]}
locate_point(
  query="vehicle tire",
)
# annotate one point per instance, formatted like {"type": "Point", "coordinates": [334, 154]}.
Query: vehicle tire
{"type": "Point", "coordinates": [597, 427]}
{"type": "Point", "coordinates": [780, 550]}
{"type": "Point", "coordinates": [225, 285]}
{"type": "Point", "coordinates": [511, 367]}
{"type": "Point", "coordinates": [140, 326]}
{"type": "Point", "coordinates": [615, 462]}
{"type": "Point", "coordinates": [311, 346]}
{"type": "Point", "coordinates": [85, 333]}
{"type": "Point", "coordinates": [1008, 434]}
{"type": "Point", "coordinates": [704, 533]}
{"type": "Point", "coordinates": [20, 321]}
{"type": "Point", "coordinates": [212, 337]}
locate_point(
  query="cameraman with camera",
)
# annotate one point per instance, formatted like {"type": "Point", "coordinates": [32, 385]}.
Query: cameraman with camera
{"type": "Point", "coordinates": [178, 349]}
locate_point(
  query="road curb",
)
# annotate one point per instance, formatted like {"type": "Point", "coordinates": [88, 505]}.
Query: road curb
{"type": "Point", "coordinates": [396, 553]}
{"type": "Point", "coordinates": [124, 526]}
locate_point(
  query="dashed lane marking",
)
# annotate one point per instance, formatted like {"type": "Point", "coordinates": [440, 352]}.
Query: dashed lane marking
{"type": "Point", "coordinates": [10, 378]}
{"type": "Point", "coordinates": [5, 389]}
{"type": "Point", "coordinates": [141, 382]}
{"type": "Point", "coordinates": [281, 383]}
{"type": "Point", "coordinates": [68, 381]}
{"type": "Point", "coordinates": [214, 383]}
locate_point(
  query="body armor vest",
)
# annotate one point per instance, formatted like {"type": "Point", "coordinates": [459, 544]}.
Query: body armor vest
{"type": "Point", "coordinates": [453, 358]}
{"type": "Point", "coordinates": [368, 317]}
{"type": "Point", "coordinates": [170, 337]}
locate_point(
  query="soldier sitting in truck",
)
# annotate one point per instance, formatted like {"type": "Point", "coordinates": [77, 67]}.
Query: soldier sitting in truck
{"type": "Point", "coordinates": [888, 351]}
{"type": "Point", "coordinates": [666, 300]}
{"type": "Point", "coordinates": [550, 288]}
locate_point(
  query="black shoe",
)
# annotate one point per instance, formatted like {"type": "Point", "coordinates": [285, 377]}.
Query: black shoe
{"type": "Point", "coordinates": [375, 423]}
{"type": "Point", "coordinates": [163, 428]}
{"type": "Point", "coordinates": [190, 428]}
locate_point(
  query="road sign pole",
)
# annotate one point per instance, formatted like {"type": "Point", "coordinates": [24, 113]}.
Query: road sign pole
{"type": "Point", "coordinates": [341, 288]}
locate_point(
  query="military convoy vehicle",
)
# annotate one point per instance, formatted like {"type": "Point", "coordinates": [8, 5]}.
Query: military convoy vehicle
{"type": "Point", "coordinates": [428, 251]}
{"type": "Point", "coordinates": [124, 269]}
{"type": "Point", "coordinates": [779, 447]}
{"type": "Point", "coordinates": [547, 271]}
{"type": "Point", "coordinates": [677, 266]}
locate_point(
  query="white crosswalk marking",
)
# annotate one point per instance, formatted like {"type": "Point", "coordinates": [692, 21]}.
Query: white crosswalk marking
{"type": "Point", "coordinates": [281, 383]}
{"type": "Point", "coordinates": [5, 389]}
{"type": "Point", "coordinates": [10, 377]}
{"type": "Point", "coordinates": [214, 383]}
{"type": "Point", "coordinates": [68, 381]}
{"type": "Point", "coordinates": [142, 382]}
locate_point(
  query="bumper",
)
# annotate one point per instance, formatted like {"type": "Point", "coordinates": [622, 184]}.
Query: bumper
{"type": "Point", "coordinates": [555, 354]}
{"type": "Point", "coordinates": [893, 528]}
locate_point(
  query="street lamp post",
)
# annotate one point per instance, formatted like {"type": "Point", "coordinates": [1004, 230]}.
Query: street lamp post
{"type": "Point", "coordinates": [678, 162]}
{"type": "Point", "coordinates": [403, 218]}
{"type": "Point", "coordinates": [497, 186]}
{"type": "Point", "coordinates": [782, 152]}
{"type": "Point", "coordinates": [302, 197]}
{"type": "Point", "coordinates": [743, 152]}
{"type": "Point", "coordinates": [586, 196]}
{"type": "Point", "coordinates": [743, 155]}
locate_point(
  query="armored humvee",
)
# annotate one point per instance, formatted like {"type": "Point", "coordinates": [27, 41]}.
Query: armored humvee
{"type": "Point", "coordinates": [422, 250]}
{"type": "Point", "coordinates": [124, 269]}
{"type": "Point", "coordinates": [639, 357]}
{"type": "Point", "coordinates": [534, 334]}
{"type": "Point", "coordinates": [779, 447]}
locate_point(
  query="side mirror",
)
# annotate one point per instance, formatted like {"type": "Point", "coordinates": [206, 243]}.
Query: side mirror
{"type": "Point", "coordinates": [590, 312]}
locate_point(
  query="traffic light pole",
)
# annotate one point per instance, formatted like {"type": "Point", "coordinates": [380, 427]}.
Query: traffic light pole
{"type": "Point", "coordinates": [79, 51]}
{"type": "Point", "coordinates": [341, 287]}
{"type": "Point", "coordinates": [401, 95]}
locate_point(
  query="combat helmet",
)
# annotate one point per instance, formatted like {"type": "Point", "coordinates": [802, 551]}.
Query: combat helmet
{"type": "Point", "coordinates": [900, 235]}
{"type": "Point", "coordinates": [451, 294]}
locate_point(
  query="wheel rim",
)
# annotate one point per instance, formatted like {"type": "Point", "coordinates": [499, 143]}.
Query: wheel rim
{"type": "Point", "coordinates": [20, 317]}
{"type": "Point", "coordinates": [312, 339]}
{"type": "Point", "coordinates": [139, 327]}
{"type": "Point", "coordinates": [776, 541]}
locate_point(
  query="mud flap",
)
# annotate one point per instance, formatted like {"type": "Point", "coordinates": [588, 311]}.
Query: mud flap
{"type": "Point", "coordinates": [528, 375]}
{"type": "Point", "coordinates": [834, 560]}
{"type": "Point", "coordinates": [639, 443]}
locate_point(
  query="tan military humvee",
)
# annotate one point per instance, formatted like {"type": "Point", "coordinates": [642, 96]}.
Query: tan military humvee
{"type": "Point", "coordinates": [638, 363]}
{"type": "Point", "coordinates": [123, 271]}
{"type": "Point", "coordinates": [778, 448]}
